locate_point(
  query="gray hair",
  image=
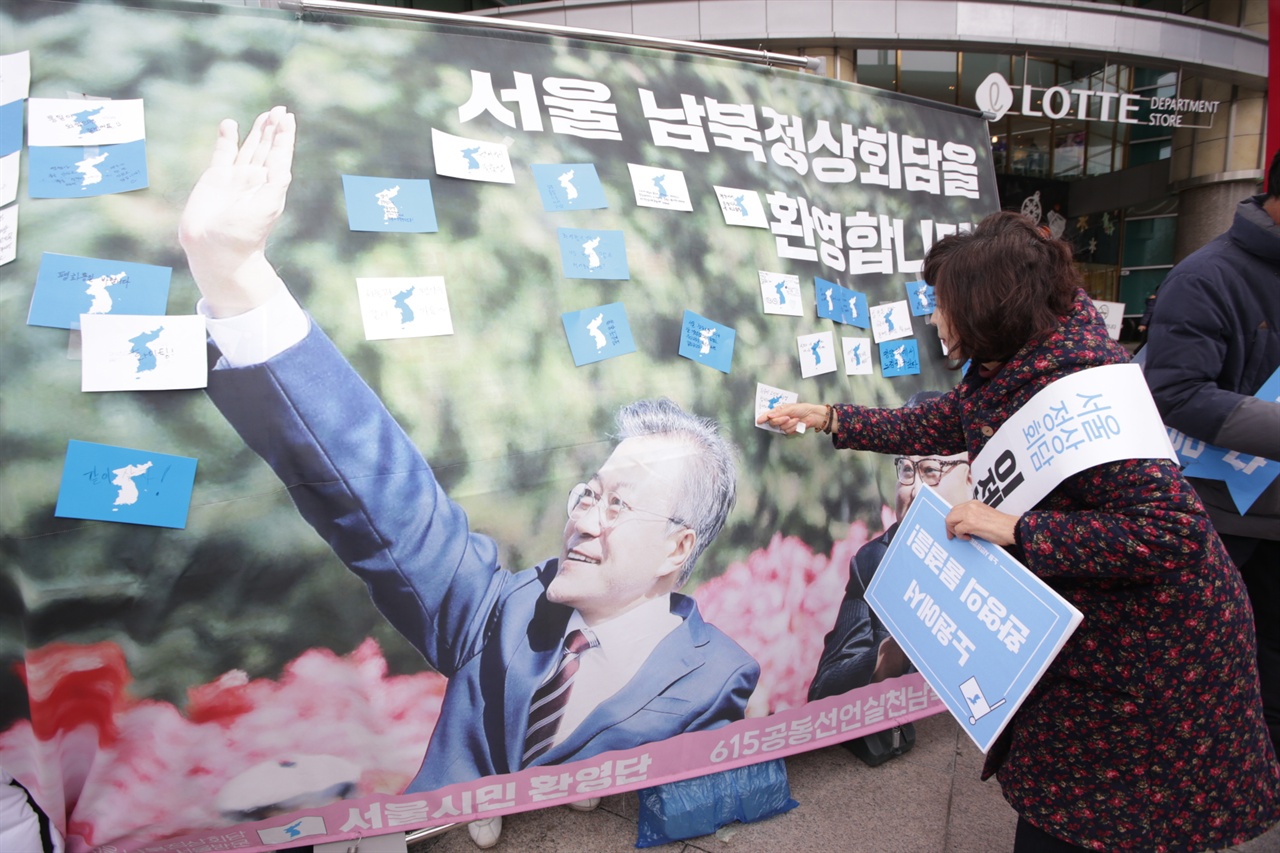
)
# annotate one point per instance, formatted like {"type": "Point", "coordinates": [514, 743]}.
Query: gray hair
{"type": "Point", "coordinates": [709, 491]}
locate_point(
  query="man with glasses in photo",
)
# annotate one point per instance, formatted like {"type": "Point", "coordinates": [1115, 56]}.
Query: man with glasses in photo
{"type": "Point", "coordinates": [859, 650]}
{"type": "Point", "coordinates": [590, 651]}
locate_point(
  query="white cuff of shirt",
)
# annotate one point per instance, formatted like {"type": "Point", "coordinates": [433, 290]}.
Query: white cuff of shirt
{"type": "Point", "coordinates": [258, 335]}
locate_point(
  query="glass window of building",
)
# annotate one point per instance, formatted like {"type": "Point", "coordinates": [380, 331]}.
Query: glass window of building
{"type": "Point", "coordinates": [929, 74]}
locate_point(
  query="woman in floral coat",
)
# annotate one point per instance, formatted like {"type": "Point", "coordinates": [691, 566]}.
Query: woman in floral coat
{"type": "Point", "coordinates": [1146, 732]}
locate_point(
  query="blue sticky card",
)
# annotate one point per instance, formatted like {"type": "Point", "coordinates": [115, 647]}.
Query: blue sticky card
{"type": "Point", "coordinates": [587, 253]}
{"type": "Point", "coordinates": [598, 333]}
{"type": "Point", "coordinates": [1247, 476]}
{"type": "Point", "coordinates": [900, 357]}
{"type": "Point", "coordinates": [107, 483]}
{"type": "Point", "coordinates": [68, 286]}
{"type": "Point", "coordinates": [706, 341]}
{"type": "Point", "coordinates": [11, 127]}
{"type": "Point", "coordinates": [853, 309]}
{"type": "Point", "coordinates": [920, 298]}
{"type": "Point", "coordinates": [978, 624]}
{"type": "Point", "coordinates": [569, 186]}
{"type": "Point", "coordinates": [827, 298]}
{"type": "Point", "coordinates": [401, 205]}
{"type": "Point", "coordinates": [85, 172]}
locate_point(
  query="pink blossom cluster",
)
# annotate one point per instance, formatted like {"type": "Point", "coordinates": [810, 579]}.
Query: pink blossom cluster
{"type": "Point", "coordinates": [124, 772]}
{"type": "Point", "coordinates": [779, 605]}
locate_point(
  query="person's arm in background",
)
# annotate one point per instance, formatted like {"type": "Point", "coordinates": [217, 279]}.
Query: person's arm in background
{"type": "Point", "coordinates": [1191, 330]}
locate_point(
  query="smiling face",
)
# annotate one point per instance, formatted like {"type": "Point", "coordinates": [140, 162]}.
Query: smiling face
{"type": "Point", "coordinates": [955, 485]}
{"type": "Point", "coordinates": [608, 568]}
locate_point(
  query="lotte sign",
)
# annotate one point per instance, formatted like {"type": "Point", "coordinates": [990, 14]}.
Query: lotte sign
{"type": "Point", "coordinates": [995, 95]}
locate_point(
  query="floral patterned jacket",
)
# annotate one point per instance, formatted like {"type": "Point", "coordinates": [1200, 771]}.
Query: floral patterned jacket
{"type": "Point", "coordinates": [1146, 732]}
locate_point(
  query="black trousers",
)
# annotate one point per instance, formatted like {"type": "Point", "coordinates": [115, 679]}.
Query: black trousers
{"type": "Point", "coordinates": [1259, 564]}
{"type": "Point", "coordinates": [1029, 839]}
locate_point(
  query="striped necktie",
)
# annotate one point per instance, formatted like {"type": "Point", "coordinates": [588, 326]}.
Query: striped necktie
{"type": "Point", "coordinates": [549, 700]}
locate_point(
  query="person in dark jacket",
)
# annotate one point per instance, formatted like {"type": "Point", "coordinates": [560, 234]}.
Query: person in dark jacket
{"type": "Point", "coordinates": [1146, 731]}
{"type": "Point", "coordinates": [1214, 340]}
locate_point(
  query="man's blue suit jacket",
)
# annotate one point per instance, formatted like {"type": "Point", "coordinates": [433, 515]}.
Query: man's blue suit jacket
{"type": "Point", "coordinates": [362, 484]}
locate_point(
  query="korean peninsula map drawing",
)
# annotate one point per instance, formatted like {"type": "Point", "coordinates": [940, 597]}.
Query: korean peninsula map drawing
{"type": "Point", "coordinates": [781, 288]}
{"type": "Point", "coordinates": [389, 210]}
{"type": "Point", "coordinates": [87, 120]}
{"type": "Point", "coordinates": [87, 168]}
{"type": "Point", "coordinates": [96, 288]}
{"type": "Point", "coordinates": [657, 184]}
{"type": "Point", "coordinates": [853, 307]}
{"type": "Point", "coordinates": [816, 349]}
{"type": "Point", "coordinates": [566, 182]}
{"type": "Point", "coordinates": [888, 321]}
{"type": "Point", "coordinates": [898, 361]}
{"type": "Point", "coordinates": [775, 400]}
{"type": "Point", "coordinates": [589, 249]}
{"type": "Point", "coordinates": [469, 154]}
{"type": "Point", "coordinates": [594, 328]}
{"type": "Point", "coordinates": [830, 306]}
{"type": "Point", "coordinates": [401, 301]}
{"type": "Point", "coordinates": [146, 356]}
{"type": "Point", "coordinates": [922, 294]}
{"type": "Point", "coordinates": [741, 202]}
{"type": "Point", "coordinates": [123, 480]}
{"type": "Point", "coordinates": [706, 335]}
{"type": "Point", "coordinates": [856, 352]}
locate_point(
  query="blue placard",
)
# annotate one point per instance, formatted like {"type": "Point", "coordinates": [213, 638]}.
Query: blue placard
{"type": "Point", "coordinates": [587, 253]}
{"type": "Point", "coordinates": [598, 333]}
{"type": "Point", "coordinates": [900, 357]}
{"type": "Point", "coordinates": [853, 309]}
{"type": "Point", "coordinates": [74, 172]}
{"type": "Point", "coordinates": [569, 186]}
{"type": "Point", "coordinates": [68, 286]}
{"type": "Point", "coordinates": [920, 298]}
{"type": "Point", "coordinates": [706, 341]}
{"type": "Point", "coordinates": [1247, 476]}
{"type": "Point", "coordinates": [402, 205]}
{"type": "Point", "coordinates": [11, 127]}
{"type": "Point", "coordinates": [977, 623]}
{"type": "Point", "coordinates": [107, 483]}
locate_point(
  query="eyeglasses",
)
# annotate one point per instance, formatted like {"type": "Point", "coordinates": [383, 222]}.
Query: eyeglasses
{"type": "Point", "coordinates": [931, 470]}
{"type": "Point", "coordinates": [613, 509]}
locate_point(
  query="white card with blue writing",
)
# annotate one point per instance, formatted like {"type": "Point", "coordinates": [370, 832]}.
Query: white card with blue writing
{"type": "Point", "coordinates": [592, 253]}
{"type": "Point", "coordinates": [900, 357]}
{"type": "Point", "coordinates": [920, 298]}
{"type": "Point", "coordinates": [141, 352]}
{"type": "Point", "coordinates": [569, 186]}
{"type": "Point", "coordinates": [598, 333]}
{"type": "Point", "coordinates": [978, 624]}
{"type": "Point", "coordinates": [401, 205]}
{"type": "Point", "coordinates": [767, 398]}
{"type": "Point", "coordinates": [891, 321]}
{"type": "Point", "coordinates": [15, 76]}
{"type": "Point", "coordinates": [81, 123]}
{"type": "Point", "coordinates": [68, 286]}
{"type": "Point", "coordinates": [87, 172]}
{"type": "Point", "coordinates": [104, 482]}
{"type": "Point", "coordinates": [413, 307]}
{"type": "Point", "coordinates": [857, 356]}
{"type": "Point", "coordinates": [8, 234]}
{"type": "Point", "coordinates": [471, 159]}
{"type": "Point", "coordinates": [706, 341]}
{"type": "Point", "coordinates": [817, 354]}
{"type": "Point", "coordinates": [780, 293]}
{"type": "Point", "coordinates": [661, 188]}
{"type": "Point", "coordinates": [741, 207]}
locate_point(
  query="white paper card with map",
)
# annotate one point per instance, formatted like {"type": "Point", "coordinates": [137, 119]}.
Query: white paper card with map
{"type": "Point", "coordinates": [77, 122]}
{"type": "Point", "coordinates": [404, 307]}
{"type": "Point", "coordinates": [8, 234]}
{"type": "Point", "coordinates": [780, 293]}
{"type": "Point", "coordinates": [661, 188]}
{"type": "Point", "coordinates": [741, 207]}
{"type": "Point", "coordinates": [890, 322]}
{"type": "Point", "coordinates": [857, 355]}
{"type": "Point", "coordinates": [471, 159]}
{"type": "Point", "coordinates": [817, 354]}
{"type": "Point", "coordinates": [143, 352]}
{"type": "Point", "coordinates": [767, 397]}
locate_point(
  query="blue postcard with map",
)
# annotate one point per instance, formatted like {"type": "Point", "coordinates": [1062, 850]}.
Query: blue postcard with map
{"type": "Point", "coordinates": [569, 186]}
{"type": "Point", "coordinates": [706, 341]}
{"type": "Point", "coordinates": [86, 172]}
{"type": "Point", "coordinates": [68, 286]}
{"type": "Point", "coordinates": [920, 298]}
{"type": "Point", "coordinates": [588, 253]}
{"type": "Point", "coordinates": [853, 309]}
{"type": "Point", "coordinates": [900, 357]}
{"type": "Point", "coordinates": [978, 624]}
{"type": "Point", "coordinates": [598, 333]}
{"type": "Point", "coordinates": [401, 205]}
{"type": "Point", "coordinates": [103, 482]}
{"type": "Point", "coordinates": [10, 127]}
{"type": "Point", "coordinates": [828, 299]}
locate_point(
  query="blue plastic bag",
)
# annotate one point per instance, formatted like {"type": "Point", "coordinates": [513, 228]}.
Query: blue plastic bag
{"type": "Point", "coordinates": [700, 806]}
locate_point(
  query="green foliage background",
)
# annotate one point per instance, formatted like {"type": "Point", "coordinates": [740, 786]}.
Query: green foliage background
{"type": "Point", "coordinates": [507, 420]}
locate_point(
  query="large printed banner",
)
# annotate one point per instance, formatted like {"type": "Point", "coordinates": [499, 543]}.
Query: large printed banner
{"type": "Point", "coordinates": [490, 526]}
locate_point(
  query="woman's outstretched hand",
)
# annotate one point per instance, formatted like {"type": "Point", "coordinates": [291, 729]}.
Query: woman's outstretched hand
{"type": "Point", "coordinates": [789, 417]}
{"type": "Point", "coordinates": [232, 210]}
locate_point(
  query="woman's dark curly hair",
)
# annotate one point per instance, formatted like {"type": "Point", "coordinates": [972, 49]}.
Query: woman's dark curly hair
{"type": "Point", "coordinates": [1001, 285]}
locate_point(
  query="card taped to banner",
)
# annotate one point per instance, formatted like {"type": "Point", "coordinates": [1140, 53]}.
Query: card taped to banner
{"type": "Point", "coordinates": [1103, 414]}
